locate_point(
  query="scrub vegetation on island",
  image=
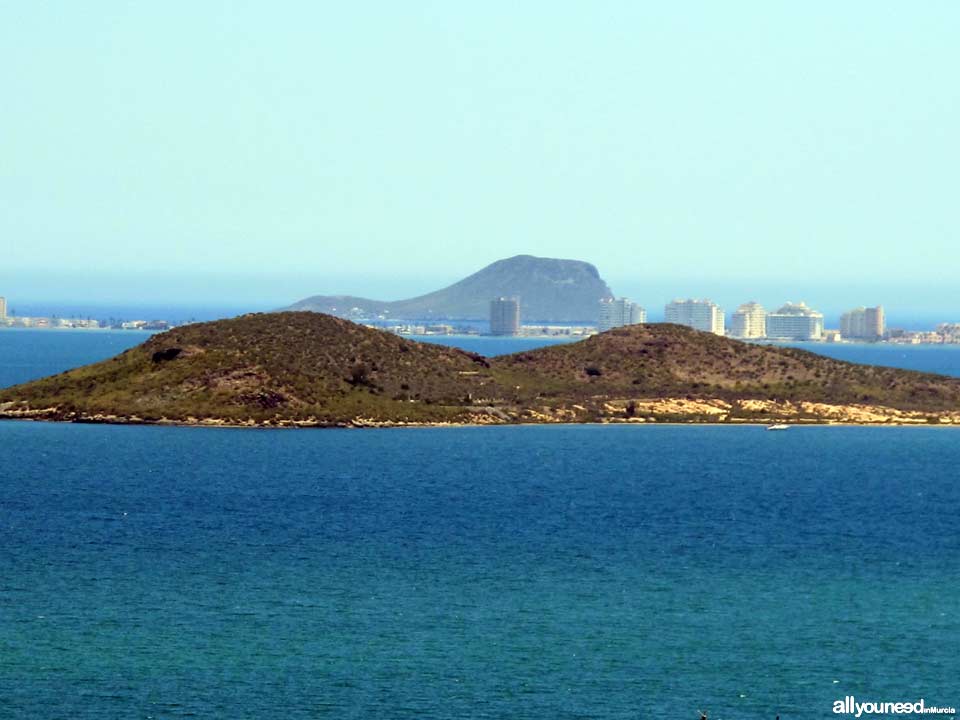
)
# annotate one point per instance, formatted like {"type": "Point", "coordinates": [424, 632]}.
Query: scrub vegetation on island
{"type": "Point", "coordinates": [311, 369]}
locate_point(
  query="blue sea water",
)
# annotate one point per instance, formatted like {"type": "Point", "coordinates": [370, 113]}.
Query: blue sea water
{"type": "Point", "coordinates": [27, 354]}
{"type": "Point", "coordinates": [531, 572]}
{"type": "Point", "coordinates": [491, 345]}
{"type": "Point", "coordinates": [519, 572]}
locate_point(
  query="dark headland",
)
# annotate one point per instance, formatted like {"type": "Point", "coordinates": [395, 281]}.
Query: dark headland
{"type": "Point", "coordinates": [550, 290]}
{"type": "Point", "coordinates": [309, 369]}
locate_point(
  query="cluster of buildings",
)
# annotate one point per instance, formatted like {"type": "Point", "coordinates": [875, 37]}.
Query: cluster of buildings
{"type": "Point", "coordinates": [791, 321]}
{"type": "Point", "coordinates": [144, 325]}
{"type": "Point", "coordinates": [944, 334]}
{"type": "Point", "coordinates": [42, 322]}
{"type": "Point", "coordinates": [428, 329]}
{"type": "Point", "coordinates": [49, 322]}
{"type": "Point", "coordinates": [949, 331]}
{"type": "Point", "coordinates": [750, 321]}
{"type": "Point", "coordinates": [23, 321]}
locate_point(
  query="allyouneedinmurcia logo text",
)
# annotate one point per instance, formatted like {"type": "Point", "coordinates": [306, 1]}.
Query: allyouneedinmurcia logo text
{"type": "Point", "coordinates": [850, 706]}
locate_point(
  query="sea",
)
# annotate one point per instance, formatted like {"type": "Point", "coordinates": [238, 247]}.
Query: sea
{"type": "Point", "coordinates": [490, 572]}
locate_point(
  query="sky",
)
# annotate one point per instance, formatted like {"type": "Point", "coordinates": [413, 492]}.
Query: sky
{"type": "Point", "coordinates": [252, 153]}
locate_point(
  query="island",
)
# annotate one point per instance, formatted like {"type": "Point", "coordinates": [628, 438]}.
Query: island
{"type": "Point", "coordinates": [306, 369]}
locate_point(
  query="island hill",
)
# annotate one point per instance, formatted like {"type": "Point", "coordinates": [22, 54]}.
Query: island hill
{"type": "Point", "coordinates": [309, 369]}
{"type": "Point", "coordinates": [549, 289]}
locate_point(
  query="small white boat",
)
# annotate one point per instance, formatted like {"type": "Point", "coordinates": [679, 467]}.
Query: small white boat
{"type": "Point", "coordinates": [780, 426]}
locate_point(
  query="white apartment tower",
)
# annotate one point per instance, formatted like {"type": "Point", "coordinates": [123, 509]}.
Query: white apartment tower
{"type": "Point", "coordinates": [3, 308]}
{"type": "Point", "coordinates": [698, 314]}
{"type": "Point", "coordinates": [620, 312]}
{"type": "Point", "coordinates": [505, 316]}
{"type": "Point", "coordinates": [749, 321]}
{"type": "Point", "coordinates": [863, 323]}
{"type": "Point", "coordinates": [795, 321]}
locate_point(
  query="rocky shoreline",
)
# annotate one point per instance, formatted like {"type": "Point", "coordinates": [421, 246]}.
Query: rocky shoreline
{"type": "Point", "coordinates": [640, 411]}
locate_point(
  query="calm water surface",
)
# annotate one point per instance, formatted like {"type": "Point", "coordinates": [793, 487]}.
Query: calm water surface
{"type": "Point", "coordinates": [533, 572]}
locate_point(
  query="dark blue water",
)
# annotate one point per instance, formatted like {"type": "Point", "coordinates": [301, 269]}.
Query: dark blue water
{"type": "Point", "coordinates": [27, 354]}
{"type": "Point", "coordinates": [489, 345]}
{"type": "Point", "coordinates": [532, 572]}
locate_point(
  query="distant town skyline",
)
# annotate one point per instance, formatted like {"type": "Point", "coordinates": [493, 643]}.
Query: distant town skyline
{"type": "Point", "coordinates": [207, 297]}
{"type": "Point", "coordinates": [338, 148]}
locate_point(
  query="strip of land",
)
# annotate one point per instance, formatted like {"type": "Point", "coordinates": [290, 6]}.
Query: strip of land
{"type": "Point", "coordinates": [303, 369]}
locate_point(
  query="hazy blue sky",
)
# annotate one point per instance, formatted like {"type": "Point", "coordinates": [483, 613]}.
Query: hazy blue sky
{"type": "Point", "coordinates": [262, 151]}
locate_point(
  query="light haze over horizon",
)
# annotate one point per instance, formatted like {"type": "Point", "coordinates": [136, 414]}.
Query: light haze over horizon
{"type": "Point", "coordinates": [251, 154]}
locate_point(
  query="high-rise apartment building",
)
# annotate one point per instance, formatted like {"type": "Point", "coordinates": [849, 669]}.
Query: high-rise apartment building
{"type": "Point", "coordinates": [3, 308]}
{"type": "Point", "coordinates": [505, 316]}
{"type": "Point", "coordinates": [749, 321]}
{"type": "Point", "coordinates": [698, 314]}
{"type": "Point", "coordinates": [620, 312]}
{"type": "Point", "coordinates": [795, 321]}
{"type": "Point", "coordinates": [863, 323]}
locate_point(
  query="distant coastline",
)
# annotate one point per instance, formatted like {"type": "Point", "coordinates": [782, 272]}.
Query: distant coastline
{"type": "Point", "coordinates": [529, 333]}
{"type": "Point", "coordinates": [68, 328]}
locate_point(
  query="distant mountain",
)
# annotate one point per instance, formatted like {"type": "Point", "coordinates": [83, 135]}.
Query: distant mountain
{"type": "Point", "coordinates": [310, 369]}
{"type": "Point", "coordinates": [550, 290]}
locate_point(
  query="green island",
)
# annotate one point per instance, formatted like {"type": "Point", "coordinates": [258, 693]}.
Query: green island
{"type": "Point", "coordinates": [305, 369]}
